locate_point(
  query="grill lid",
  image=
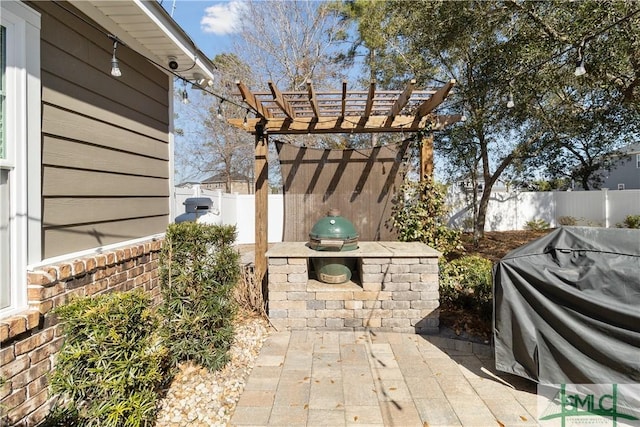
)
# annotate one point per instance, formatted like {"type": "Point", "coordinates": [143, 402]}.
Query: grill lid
{"type": "Point", "coordinates": [333, 232]}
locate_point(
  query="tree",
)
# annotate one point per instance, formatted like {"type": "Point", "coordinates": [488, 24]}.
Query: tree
{"type": "Point", "coordinates": [210, 145]}
{"type": "Point", "coordinates": [526, 50]}
{"type": "Point", "coordinates": [291, 42]}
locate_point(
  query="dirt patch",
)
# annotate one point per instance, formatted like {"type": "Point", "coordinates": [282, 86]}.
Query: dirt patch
{"type": "Point", "coordinates": [466, 323]}
{"type": "Point", "coordinates": [496, 244]}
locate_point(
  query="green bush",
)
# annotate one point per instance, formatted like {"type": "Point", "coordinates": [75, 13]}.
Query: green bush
{"type": "Point", "coordinates": [198, 270]}
{"type": "Point", "coordinates": [419, 214]}
{"type": "Point", "coordinates": [537, 224]}
{"type": "Point", "coordinates": [112, 364]}
{"type": "Point", "coordinates": [466, 282]}
{"type": "Point", "coordinates": [631, 221]}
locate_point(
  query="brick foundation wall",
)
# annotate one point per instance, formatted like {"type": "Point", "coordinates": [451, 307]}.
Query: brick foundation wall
{"type": "Point", "coordinates": [398, 294]}
{"type": "Point", "coordinates": [29, 341]}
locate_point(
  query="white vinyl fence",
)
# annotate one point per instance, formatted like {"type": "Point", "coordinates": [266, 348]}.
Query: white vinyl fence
{"type": "Point", "coordinates": [512, 210]}
{"type": "Point", "coordinates": [507, 210]}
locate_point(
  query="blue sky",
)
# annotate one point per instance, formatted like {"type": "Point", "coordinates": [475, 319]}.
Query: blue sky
{"type": "Point", "coordinates": [211, 24]}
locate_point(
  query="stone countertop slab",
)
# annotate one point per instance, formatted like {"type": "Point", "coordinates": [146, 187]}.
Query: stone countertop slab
{"type": "Point", "coordinates": [365, 249]}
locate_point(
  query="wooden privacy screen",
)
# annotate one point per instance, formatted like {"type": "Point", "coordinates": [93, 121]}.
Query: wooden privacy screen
{"type": "Point", "coordinates": [359, 182]}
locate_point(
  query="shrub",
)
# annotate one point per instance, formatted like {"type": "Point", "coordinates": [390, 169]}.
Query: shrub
{"type": "Point", "coordinates": [419, 214]}
{"type": "Point", "coordinates": [537, 224]}
{"type": "Point", "coordinates": [466, 282]}
{"type": "Point", "coordinates": [631, 221]}
{"type": "Point", "coordinates": [198, 270]}
{"type": "Point", "coordinates": [567, 220]}
{"type": "Point", "coordinates": [112, 365]}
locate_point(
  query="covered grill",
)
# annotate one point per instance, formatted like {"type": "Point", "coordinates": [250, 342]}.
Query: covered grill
{"type": "Point", "coordinates": [337, 234]}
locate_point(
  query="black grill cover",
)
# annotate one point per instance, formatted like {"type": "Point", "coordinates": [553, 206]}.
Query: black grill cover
{"type": "Point", "coordinates": [567, 307]}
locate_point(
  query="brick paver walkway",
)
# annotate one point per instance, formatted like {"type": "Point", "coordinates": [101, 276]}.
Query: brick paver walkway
{"type": "Point", "coordinates": [314, 378]}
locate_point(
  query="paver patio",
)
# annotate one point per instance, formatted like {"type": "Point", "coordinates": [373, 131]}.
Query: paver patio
{"type": "Point", "coordinates": [335, 378]}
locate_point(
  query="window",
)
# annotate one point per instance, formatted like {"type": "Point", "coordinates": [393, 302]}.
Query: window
{"type": "Point", "coordinates": [638, 160]}
{"type": "Point", "coordinates": [620, 186]}
{"type": "Point", "coordinates": [19, 135]}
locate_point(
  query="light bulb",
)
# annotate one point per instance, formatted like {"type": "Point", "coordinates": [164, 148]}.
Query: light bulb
{"type": "Point", "coordinates": [510, 103]}
{"type": "Point", "coordinates": [580, 70]}
{"type": "Point", "coordinates": [115, 68]}
{"type": "Point", "coordinates": [185, 97]}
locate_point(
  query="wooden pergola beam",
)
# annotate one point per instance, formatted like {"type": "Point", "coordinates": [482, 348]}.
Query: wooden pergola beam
{"type": "Point", "coordinates": [280, 101]}
{"type": "Point", "coordinates": [313, 99]}
{"type": "Point", "coordinates": [370, 95]}
{"type": "Point", "coordinates": [403, 99]}
{"type": "Point", "coordinates": [251, 100]}
{"type": "Point", "coordinates": [343, 104]}
{"type": "Point", "coordinates": [436, 99]}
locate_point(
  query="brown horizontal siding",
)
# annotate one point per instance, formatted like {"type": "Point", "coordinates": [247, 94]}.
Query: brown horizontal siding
{"type": "Point", "coordinates": [105, 144]}
{"type": "Point", "coordinates": [70, 125]}
{"type": "Point", "coordinates": [66, 153]}
{"type": "Point", "coordinates": [66, 211]}
{"type": "Point", "coordinates": [99, 83]}
{"type": "Point", "coordinates": [68, 239]}
{"type": "Point", "coordinates": [62, 93]}
{"type": "Point", "coordinates": [61, 182]}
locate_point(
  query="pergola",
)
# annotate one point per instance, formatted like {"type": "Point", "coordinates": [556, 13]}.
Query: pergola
{"type": "Point", "coordinates": [339, 111]}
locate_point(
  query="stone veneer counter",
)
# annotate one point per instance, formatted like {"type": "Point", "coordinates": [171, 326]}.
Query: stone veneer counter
{"type": "Point", "coordinates": [394, 288]}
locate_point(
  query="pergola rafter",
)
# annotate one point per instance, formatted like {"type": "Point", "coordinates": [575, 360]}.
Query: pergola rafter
{"type": "Point", "coordinates": [342, 111]}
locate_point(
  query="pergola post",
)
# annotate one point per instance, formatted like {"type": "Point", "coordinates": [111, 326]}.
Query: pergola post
{"type": "Point", "coordinates": [261, 203]}
{"type": "Point", "coordinates": [426, 157]}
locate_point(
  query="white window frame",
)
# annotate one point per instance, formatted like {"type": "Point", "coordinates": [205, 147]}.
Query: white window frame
{"type": "Point", "coordinates": [620, 186]}
{"type": "Point", "coordinates": [23, 133]}
{"type": "Point", "coordinates": [638, 161]}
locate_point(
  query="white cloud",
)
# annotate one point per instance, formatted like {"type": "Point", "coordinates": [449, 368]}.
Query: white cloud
{"type": "Point", "coordinates": [222, 18]}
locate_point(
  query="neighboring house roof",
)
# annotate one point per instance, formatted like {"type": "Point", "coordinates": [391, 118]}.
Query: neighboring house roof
{"type": "Point", "coordinates": [146, 27]}
{"type": "Point", "coordinates": [223, 178]}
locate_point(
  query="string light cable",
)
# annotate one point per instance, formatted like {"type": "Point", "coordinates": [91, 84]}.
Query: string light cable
{"type": "Point", "coordinates": [580, 47]}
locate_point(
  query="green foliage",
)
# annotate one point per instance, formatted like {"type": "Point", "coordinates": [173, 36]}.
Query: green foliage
{"type": "Point", "coordinates": [419, 214]}
{"type": "Point", "coordinates": [536, 224]}
{"type": "Point", "coordinates": [466, 282]}
{"type": "Point", "coordinates": [112, 364]}
{"type": "Point", "coordinates": [198, 270]}
{"type": "Point", "coordinates": [631, 221]}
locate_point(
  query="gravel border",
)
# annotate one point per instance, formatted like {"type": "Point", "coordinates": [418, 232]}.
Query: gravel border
{"type": "Point", "coordinates": [199, 398]}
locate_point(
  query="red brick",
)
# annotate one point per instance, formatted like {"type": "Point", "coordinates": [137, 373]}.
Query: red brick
{"type": "Point", "coordinates": [37, 385]}
{"type": "Point", "coordinates": [111, 258]}
{"type": "Point", "coordinates": [78, 267]}
{"type": "Point", "coordinates": [101, 260]}
{"type": "Point", "coordinates": [119, 255]}
{"type": "Point", "coordinates": [33, 341]}
{"type": "Point", "coordinates": [96, 287]}
{"type": "Point", "coordinates": [90, 264]}
{"type": "Point", "coordinates": [37, 416]}
{"type": "Point", "coordinates": [43, 307]}
{"type": "Point", "coordinates": [28, 406]}
{"type": "Point", "coordinates": [19, 364]}
{"type": "Point", "coordinates": [34, 372]}
{"type": "Point", "coordinates": [17, 325]}
{"type": "Point", "coordinates": [33, 318]}
{"type": "Point", "coordinates": [39, 277]}
{"type": "Point", "coordinates": [5, 390]}
{"type": "Point", "coordinates": [14, 399]}
{"type": "Point", "coordinates": [126, 253]}
{"type": "Point", "coordinates": [64, 271]}
{"type": "Point", "coordinates": [4, 332]}
{"type": "Point", "coordinates": [7, 355]}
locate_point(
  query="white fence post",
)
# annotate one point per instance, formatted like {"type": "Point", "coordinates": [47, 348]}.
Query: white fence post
{"type": "Point", "coordinates": [605, 206]}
